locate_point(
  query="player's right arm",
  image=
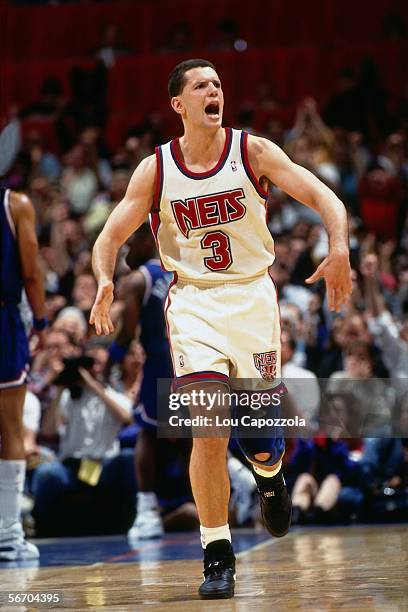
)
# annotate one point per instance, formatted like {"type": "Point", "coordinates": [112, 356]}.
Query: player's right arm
{"type": "Point", "coordinates": [126, 218]}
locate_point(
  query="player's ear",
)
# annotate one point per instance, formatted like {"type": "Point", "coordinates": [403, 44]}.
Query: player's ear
{"type": "Point", "coordinates": [177, 105]}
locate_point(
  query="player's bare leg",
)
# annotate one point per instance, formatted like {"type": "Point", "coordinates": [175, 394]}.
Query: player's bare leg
{"type": "Point", "coordinates": [12, 475]}
{"type": "Point", "coordinates": [11, 423]}
{"type": "Point", "coordinates": [211, 490]}
{"type": "Point", "coordinates": [210, 481]}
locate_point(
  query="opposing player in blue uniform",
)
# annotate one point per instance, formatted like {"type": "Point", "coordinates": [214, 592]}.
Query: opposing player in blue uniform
{"type": "Point", "coordinates": [19, 269]}
{"type": "Point", "coordinates": [144, 309]}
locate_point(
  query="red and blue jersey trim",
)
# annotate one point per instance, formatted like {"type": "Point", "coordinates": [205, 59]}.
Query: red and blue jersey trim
{"type": "Point", "coordinates": [175, 153]}
{"type": "Point", "coordinates": [155, 209]}
{"type": "Point", "coordinates": [207, 376]}
{"type": "Point", "coordinates": [247, 166]}
{"type": "Point", "coordinates": [159, 180]}
{"type": "Point", "coordinates": [173, 282]}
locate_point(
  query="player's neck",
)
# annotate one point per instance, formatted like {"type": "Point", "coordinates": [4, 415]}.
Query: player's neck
{"type": "Point", "coordinates": [202, 147]}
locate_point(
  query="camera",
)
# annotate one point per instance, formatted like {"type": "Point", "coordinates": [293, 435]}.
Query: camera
{"type": "Point", "coordinates": [70, 376]}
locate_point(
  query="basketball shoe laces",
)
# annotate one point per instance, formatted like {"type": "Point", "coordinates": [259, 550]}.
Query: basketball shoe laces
{"type": "Point", "coordinates": [216, 563]}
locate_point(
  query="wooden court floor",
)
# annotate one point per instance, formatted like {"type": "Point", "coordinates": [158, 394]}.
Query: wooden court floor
{"type": "Point", "coordinates": [355, 568]}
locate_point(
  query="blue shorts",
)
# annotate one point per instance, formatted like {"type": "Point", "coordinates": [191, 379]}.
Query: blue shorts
{"type": "Point", "coordinates": [157, 365]}
{"type": "Point", "coordinates": [14, 352]}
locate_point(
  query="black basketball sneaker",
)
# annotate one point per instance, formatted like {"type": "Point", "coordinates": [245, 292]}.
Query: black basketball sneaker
{"type": "Point", "coordinates": [276, 505]}
{"type": "Point", "coordinates": [219, 571]}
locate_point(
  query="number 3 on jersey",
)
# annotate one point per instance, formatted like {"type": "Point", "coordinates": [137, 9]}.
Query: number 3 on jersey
{"type": "Point", "coordinates": [220, 244]}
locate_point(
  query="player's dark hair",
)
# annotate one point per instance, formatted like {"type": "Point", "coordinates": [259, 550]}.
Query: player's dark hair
{"type": "Point", "coordinates": [176, 80]}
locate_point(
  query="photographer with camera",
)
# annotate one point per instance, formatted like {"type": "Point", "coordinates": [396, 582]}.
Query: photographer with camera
{"type": "Point", "coordinates": [87, 414]}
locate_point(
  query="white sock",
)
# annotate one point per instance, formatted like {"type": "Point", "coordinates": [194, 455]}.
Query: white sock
{"type": "Point", "coordinates": [147, 501]}
{"type": "Point", "coordinates": [12, 476]}
{"type": "Point", "coordinates": [211, 534]}
{"type": "Point", "coordinates": [268, 473]}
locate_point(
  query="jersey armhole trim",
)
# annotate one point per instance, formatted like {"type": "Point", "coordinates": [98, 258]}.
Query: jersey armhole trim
{"type": "Point", "coordinates": [159, 180]}
{"type": "Point", "coordinates": [155, 209]}
{"type": "Point", "coordinates": [247, 166]}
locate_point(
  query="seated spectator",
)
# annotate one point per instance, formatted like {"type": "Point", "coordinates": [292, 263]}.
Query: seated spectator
{"type": "Point", "coordinates": [48, 364]}
{"type": "Point", "coordinates": [88, 415]}
{"type": "Point", "coordinates": [128, 373]}
{"type": "Point", "coordinates": [390, 337]}
{"type": "Point", "coordinates": [83, 293]}
{"type": "Point", "coordinates": [379, 487]}
{"type": "Point", "coordinates": [320, 138]}
{"type": "Point", "coordinates": [375, 397]}
{"type": "Point", "coordinates": [96, 153]}
{"type": "Point", "coordinates": [104, 203]}
{"type": "Point", "coordinates": [79, 182]}
{"type": "Point", "coordinates": [73, 321]}
{"type": "Point", "coordinates": [341, 417]}
{"type": "Point", "coordinates": [43, 162]}
{"type": "Point", "coordinates": [302, 384]}
{"type": "Point", "coordinates": [323, 464]}
{"type": "Point", "coordinates": [380, 195]}
{"type": "Point", "coordinates": [346, 331]}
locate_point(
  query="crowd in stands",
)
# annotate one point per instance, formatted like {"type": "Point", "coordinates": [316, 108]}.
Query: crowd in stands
{"type": "Point", "coordinates": [347, 373]}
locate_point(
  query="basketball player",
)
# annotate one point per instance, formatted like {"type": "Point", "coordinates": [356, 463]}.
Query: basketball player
{"type": "Point", "coordinates": [206, 194]}
{"type": "Point", "coordinates": [145, 307]}
{"type": "Point", "coordinates": [19, 268]}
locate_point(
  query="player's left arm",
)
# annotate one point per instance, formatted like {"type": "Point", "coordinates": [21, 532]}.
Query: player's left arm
{"type": "Point", "coordinates": [268, 160]}
{"type": "Point", "coordinates": [22, 211]}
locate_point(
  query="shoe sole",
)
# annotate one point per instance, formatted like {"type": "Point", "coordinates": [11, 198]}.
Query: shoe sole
{"type": "Point", "coordinates": [218, 595]}
{"type": "Point", "coordinates": [276, 535]}
{"type": "Point", "coordinates": [17, 557]}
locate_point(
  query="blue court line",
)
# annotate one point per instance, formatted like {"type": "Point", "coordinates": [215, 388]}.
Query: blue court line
{"type": "Point", "coordinates": [117, 549]}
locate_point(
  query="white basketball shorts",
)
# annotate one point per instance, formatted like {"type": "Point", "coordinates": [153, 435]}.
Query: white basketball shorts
{"type": "Point", "coordinates": [225, 332]}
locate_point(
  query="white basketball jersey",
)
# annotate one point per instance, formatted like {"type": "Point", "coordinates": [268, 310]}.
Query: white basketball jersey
{"type": "Point", "coordinates": [211, 227]}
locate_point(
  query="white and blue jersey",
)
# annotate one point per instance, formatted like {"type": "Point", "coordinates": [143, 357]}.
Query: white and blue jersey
{"type": "Point", "coordinates": [154, 340]}
{"type": "Point", "coordinates": [14, 352]}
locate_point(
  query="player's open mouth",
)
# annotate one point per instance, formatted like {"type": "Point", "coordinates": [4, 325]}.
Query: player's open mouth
{"type": "Point", "coordinates": [213, 109]}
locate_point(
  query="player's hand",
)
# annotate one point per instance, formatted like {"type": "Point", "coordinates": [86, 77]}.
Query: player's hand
{"type": "Point", "coordinates": [335, 269]}
{"type": "Point", "coordinates": [36, 341]}
{"type": "Point", "coordinates": [100, 313]}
